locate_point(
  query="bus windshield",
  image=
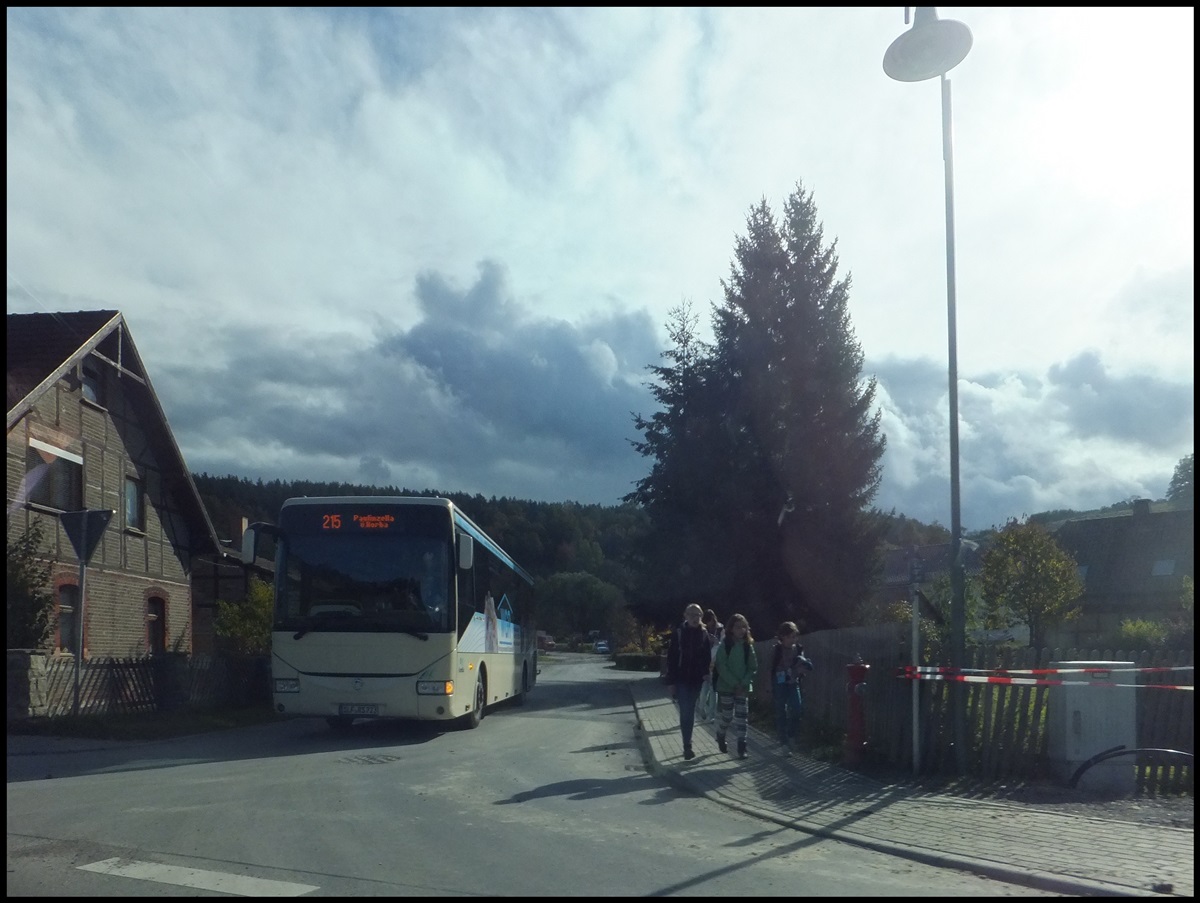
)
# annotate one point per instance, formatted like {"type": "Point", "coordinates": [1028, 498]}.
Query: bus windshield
{"type": "Point", "coordinates": [394, 577]}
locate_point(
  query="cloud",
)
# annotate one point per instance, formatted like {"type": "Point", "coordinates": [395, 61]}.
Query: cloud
{"type": "Point", "coordinates": [1075, 437]}
{"type": "Point", "coordinates": [1134, 409]}
{"type": "Point", "coordinates": [478, 394]}
{"type": "Point", "coordinates": [439, 246]}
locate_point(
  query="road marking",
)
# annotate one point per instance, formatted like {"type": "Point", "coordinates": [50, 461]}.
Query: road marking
{"type": "Point", "coordinates": [240, 885]}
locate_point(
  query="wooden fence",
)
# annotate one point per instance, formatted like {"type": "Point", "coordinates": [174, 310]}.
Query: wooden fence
{"type": "Point", "coordinates": [1008, 726]}
{"type": "Point", "coordinates": [45, 685]}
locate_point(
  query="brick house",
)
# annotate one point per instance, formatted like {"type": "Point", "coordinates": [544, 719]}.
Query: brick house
{"type": "Point", "coordinates": [86, 430]}
{"type": "Point", "coordinates": [1132, 564]}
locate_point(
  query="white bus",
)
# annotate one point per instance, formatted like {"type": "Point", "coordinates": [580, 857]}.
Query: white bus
{"type": "Point", "coordinates": [394, 607]}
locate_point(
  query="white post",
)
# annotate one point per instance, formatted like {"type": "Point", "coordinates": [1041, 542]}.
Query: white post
{"type": "Point", "coordinates": [79, 614]}
{"type": "Point", "coordinates": [916, 683]}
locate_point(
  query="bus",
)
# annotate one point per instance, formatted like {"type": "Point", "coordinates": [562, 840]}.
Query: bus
{"type": "Point", "coordinates": [394, 607]}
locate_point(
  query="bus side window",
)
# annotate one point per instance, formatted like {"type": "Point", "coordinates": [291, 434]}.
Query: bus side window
{"type": "Point", "coordinates": [466, 598]}
{"type": "Point", "coordinates": [483, 576]}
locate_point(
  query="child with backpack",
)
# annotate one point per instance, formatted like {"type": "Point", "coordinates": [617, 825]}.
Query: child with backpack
{"type": "Point", "coordinates": [735, 668]}
{"type": "Point", "coordinates": [787, 668]}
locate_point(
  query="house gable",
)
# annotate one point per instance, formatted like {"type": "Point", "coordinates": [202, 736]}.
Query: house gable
{"type": "Point", "coordinates": [81, 408]}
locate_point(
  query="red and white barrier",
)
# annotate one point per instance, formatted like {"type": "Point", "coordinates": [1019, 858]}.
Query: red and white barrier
{"type": "Point", "coordinates": [939, 669]}
{"type": "Point", "coordinates": [1003, 676]}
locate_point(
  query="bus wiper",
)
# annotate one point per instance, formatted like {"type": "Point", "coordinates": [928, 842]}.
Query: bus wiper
{"type": "Point", "coordinates": [311, 621]}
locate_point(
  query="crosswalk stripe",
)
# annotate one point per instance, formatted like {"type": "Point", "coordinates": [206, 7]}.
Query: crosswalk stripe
{"type": "Point", "coordinates": [240, 885]}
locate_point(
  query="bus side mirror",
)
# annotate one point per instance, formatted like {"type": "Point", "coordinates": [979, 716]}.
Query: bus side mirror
{"type": "Point", "coordinates": [466, 552]}
{"type": "Point", "coordinates": [250, 541]}
{"type": "Point", "coordinates": [250, 544]}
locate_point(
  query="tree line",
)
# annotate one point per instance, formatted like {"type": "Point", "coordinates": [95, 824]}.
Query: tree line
{"type": "Point", "coordinates": [588, 561]}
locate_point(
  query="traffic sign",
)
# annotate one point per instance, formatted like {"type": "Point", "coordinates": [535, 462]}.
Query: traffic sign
{"type": "Point", "coordinates": [84, 529]}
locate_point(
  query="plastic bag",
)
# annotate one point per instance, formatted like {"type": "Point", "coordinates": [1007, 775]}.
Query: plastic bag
{"type": "Point", "coordinates": [707, 701]}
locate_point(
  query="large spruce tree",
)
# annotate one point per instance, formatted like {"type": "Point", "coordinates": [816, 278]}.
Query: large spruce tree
{"type": "Point", "coordinates": [687, 445]}
{"type": "Point", "coordinates": [773, 427]}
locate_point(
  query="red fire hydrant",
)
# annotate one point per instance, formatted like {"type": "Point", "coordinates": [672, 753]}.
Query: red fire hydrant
{"type": "Point", "coordinates": [856, 721]}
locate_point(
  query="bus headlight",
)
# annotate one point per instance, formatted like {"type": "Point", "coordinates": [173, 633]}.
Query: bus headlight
{"type": "Point", "coordinates": [287, 685]}
{"type": "Point", "coordinates": [435, 688]}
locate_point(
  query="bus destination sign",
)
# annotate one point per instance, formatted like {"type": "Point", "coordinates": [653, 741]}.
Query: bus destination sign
{"type": "Point", "coordinates": [358, 521]}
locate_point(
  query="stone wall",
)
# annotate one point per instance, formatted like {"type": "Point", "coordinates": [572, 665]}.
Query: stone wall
{"type": "Point", "coordinates": [26, 684]}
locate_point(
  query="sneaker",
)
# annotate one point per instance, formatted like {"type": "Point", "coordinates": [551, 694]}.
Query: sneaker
{"type": "Point", "coordinates": [721, 743]}
{"type": "Point", "coordinates": [688, 754]}
{"type": "Point", "coordinates": [741, 749]}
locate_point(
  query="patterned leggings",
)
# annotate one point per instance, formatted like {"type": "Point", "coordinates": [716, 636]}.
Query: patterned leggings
{"type": "Point", "coordinates": [734, 709]}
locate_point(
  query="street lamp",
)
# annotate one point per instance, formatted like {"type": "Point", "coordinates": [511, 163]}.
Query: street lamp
{"type": "Point", "coordinates": [932, 47]}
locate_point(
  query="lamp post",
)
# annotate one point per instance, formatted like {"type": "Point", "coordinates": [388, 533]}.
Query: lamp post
{"type": "Point", "coordinates": [932, 47]}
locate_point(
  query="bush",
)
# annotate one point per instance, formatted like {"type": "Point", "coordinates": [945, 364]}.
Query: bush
{"type": "Point", "coordinates": [30, 609]}
{"type": "Point", "coordinates": [244, 628]}
{"type": "Point", "coordinates": [636, 661]}
{"type": "Point", "coordinates": [1138, 633]}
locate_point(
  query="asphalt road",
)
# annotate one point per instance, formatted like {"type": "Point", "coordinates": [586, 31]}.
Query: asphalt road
{"type": "Point", "coordinates": [552, 798]}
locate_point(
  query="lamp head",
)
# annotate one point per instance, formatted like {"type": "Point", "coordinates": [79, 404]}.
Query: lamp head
{"type": "Point", "coordinates": [931, 47]}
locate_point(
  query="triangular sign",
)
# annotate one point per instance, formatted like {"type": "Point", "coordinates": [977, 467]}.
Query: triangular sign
{"type": "Point", "coordinates": [84, 529]}
{"type": "Point", "coordinates": [928, 609]}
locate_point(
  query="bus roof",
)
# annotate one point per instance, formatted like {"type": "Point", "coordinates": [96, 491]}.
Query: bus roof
{"type": "Point", "coordinates": [464, 523]}
{"type": "Point", "coordinates": [368, 500]}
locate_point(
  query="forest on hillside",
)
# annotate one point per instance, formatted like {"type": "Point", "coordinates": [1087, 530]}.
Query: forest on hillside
{"type": "Point", "coordinates": [590, 561]}
{"type": "Point", "coordinates": [590, 551]}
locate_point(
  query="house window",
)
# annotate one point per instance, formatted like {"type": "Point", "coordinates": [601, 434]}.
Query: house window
{"type": "Point", "coordinates": [135, 504]}
{"type": "Point", "coordinates": [53, 477]}
{"type": "Point", "coordinates": [156, 625]}
{"type": "Point", "coordinates": [1164, 567]}
{"type": "Point", "coordinates": [68, 618]}
{"type": "Point", "coordinates": [93, 383]}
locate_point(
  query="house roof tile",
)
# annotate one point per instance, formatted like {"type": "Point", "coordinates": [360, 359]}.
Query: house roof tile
{"type": "Point", "coordinates": [1120, 552]}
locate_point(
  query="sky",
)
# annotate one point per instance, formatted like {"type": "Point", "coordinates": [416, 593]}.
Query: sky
{"type": "Point", "coordinates": [438, 248]}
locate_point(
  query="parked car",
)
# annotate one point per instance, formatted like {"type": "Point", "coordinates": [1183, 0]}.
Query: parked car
{"type": "Point", "coordinates": [601, 647]}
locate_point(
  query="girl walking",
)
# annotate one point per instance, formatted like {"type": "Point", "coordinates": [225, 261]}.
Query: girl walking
{"type": "Point", "coordinates": [736, 665]}
{"type": "Point", "coordinates": [688, 660]}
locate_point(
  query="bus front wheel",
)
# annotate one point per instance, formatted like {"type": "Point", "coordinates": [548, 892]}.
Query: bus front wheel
{"type": "Point", "coordinates": [472, 718]}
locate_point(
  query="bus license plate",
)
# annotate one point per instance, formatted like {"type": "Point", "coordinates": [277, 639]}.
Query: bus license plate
{"type": "Point", "coordinates": [346, 709]}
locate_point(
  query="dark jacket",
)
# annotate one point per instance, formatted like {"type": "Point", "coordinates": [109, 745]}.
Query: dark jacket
{"type": "Point", "coordinates": [688, 655]}
{"type": "Point", "coordinates": [788, 665]}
